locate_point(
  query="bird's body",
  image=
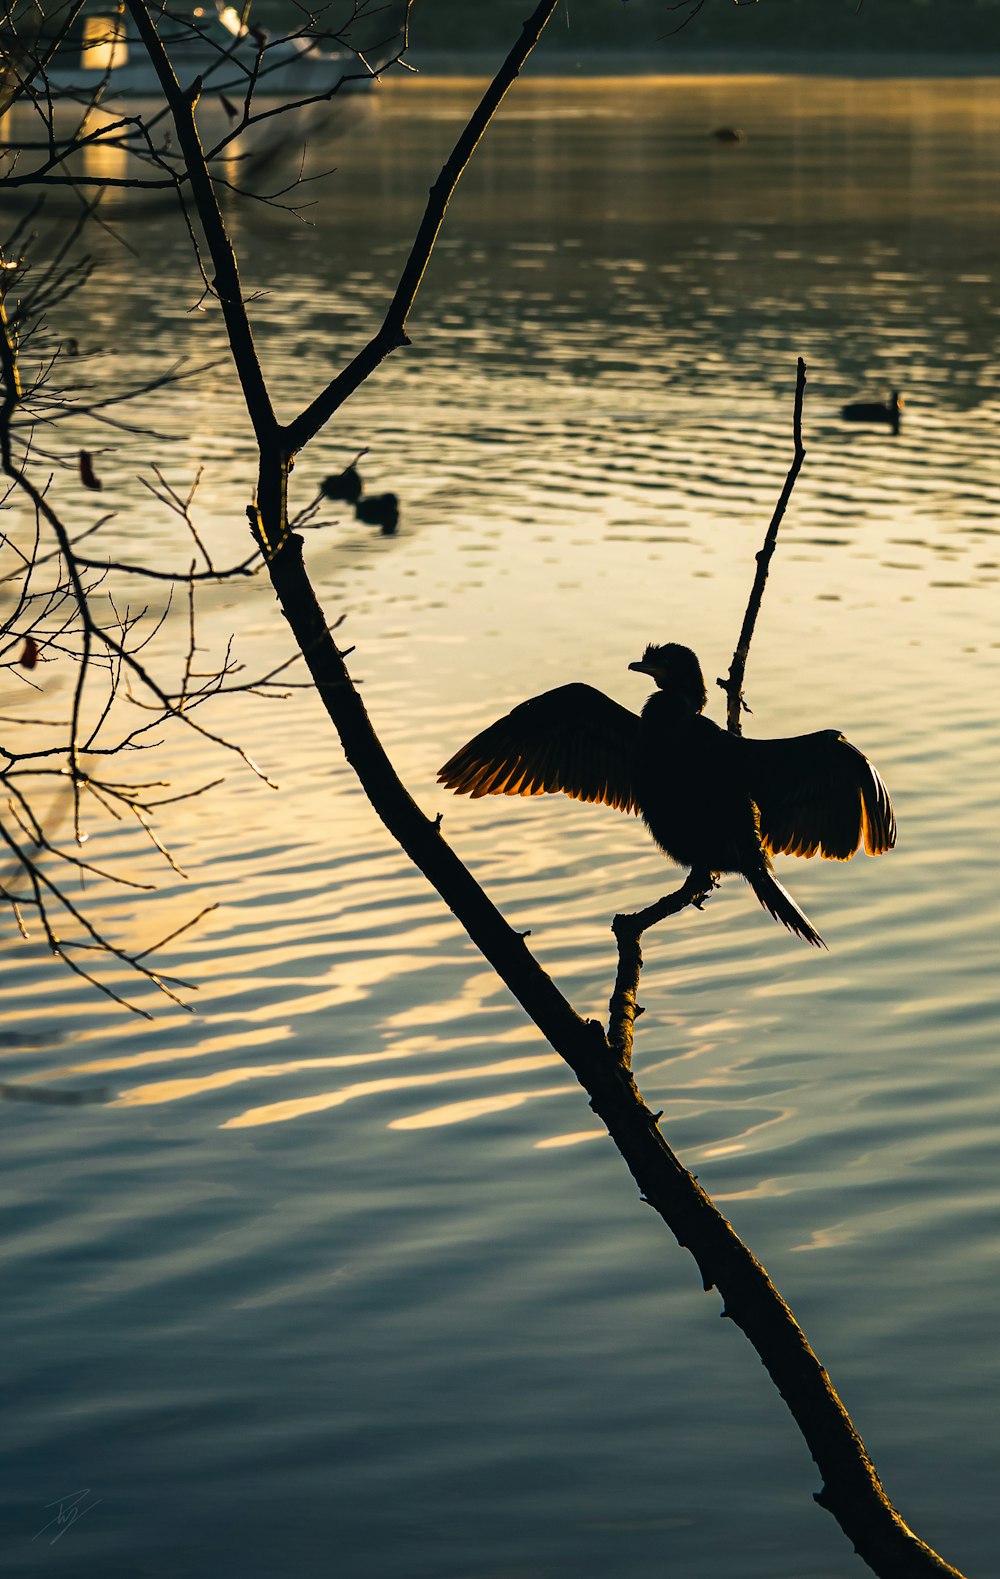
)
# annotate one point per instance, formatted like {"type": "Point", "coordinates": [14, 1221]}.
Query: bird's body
{"type": "Point", "coordinates": [688, 790]}
{"type": "Point", "coordinates": [373, 509]}
{"type": "Point", "coordinates": [868, 411]}
{"type": "Point", "coordinates": [379, 509]}
{"type": "Point", "coordinates": [713, 801]}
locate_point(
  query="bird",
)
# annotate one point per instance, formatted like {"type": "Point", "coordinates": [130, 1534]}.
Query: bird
{"type": "Point", "coordinates": [712, 800]}
{"type": "Point", "coordinates": [344, 485]}
{"type": "Point", "coordinates": [378, 509]}
{"type": "Point", "coordinates": [728, 134]}
{"type": "Point", "coordinates": [875, 411]}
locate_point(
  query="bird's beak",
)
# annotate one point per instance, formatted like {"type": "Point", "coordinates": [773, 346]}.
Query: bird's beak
{"type": "Point", "coordinates": [641, 667]}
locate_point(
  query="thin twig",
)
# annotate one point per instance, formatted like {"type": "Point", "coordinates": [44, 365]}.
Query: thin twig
{"type": "Point", "coordinates": [733, 684]}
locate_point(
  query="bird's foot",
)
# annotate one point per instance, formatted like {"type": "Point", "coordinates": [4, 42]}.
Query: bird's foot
{"type": "Point", "coordinates": [703, 885]}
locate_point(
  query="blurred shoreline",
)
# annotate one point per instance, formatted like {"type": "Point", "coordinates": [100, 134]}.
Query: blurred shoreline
{"type": "Point", "coordinates": [565, 62]}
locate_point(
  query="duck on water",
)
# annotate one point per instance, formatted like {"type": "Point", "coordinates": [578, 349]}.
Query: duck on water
{"type": "Point", "coordinates": [887, 411]}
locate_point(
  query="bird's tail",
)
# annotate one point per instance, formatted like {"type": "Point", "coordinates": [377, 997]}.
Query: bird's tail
{"type": "Point", "coordinates": [780, 904]}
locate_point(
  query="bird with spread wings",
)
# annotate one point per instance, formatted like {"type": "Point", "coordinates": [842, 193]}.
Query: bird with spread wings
{"type": "Point", "coordinates": [713, 801]}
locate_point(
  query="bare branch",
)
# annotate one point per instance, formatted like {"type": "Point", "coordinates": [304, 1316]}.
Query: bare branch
{"type": "Point", "coordinates": [392, 334]}
{"type": "Point", "coordinates": [733, 684]}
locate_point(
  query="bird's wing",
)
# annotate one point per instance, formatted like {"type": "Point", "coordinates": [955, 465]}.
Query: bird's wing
{"type": "Point", "coordinates": [818, 793]}
{"type": "Point", "coordinates": [573, 739]}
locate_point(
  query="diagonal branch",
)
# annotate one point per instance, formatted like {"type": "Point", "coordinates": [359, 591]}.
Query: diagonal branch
{"type": "Point", "coordinates": [851, 1487]}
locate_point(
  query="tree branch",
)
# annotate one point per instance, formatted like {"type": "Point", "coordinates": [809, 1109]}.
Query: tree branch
{"type": "Point", "coordinates": [226, 283]}
{"type": "Point", "coordinates": [628, 931]}
{"type": "Point", "coordinates": [392, 334]}
{"type": "Point", "coordinates": [851, 1488]}
{"type": "Point", "coordinates": [733, 685]}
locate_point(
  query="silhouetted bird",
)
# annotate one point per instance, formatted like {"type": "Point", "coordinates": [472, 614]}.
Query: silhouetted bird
{"type": "Point", "coordinates": [379, 509]}
{"type": "Point", "coordinates": [345, 485]}
{"type": "Point", "coordinates": [712, 800]}
{"type": "Point", "coordinates": [875, 411]}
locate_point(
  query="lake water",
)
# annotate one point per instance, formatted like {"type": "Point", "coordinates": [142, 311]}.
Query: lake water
{"type": "Point", "coordinates": [337, 1275]}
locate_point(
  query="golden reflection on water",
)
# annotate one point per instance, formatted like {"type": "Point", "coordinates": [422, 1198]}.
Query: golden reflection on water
{"type": "Point", "coordinates": [102, 161]}
{"type": "Point", "coordinates": [280, 1112]}
{"type": "Point", "coordinates": [588, 436]}
{"type": "Point", "coordinates": [606, 343]}
{"type": "Point", "coordinates": [830, 1238]}
{"type": "Point", "coordinates": [473, 1108]}
{"type": "Point", "coordinates": [738, 1143]}
{"type": "Point", "coordinates": [580, 1137]}
{"type": "Point", "coordinates": [206, 1048]}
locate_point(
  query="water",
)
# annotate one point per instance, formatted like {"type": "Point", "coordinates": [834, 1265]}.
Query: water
{"type": "Point", "coordinates": [337, 1274]}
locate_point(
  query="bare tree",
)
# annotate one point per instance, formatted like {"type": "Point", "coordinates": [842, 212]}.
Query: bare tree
{"type": "Point", "coordinates": [59, 606]}
{"type": "Point", "coordinates": [67, 604]}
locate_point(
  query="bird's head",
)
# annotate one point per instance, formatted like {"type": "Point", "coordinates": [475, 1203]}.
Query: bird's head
{"type": "Point", "coordinates": [677, 671]}
{"type": "Point", "coordinates": [345, 485]}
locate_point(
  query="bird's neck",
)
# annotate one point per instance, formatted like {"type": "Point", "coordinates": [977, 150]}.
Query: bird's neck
{"type": "Point", "coordinates": [668, 708]}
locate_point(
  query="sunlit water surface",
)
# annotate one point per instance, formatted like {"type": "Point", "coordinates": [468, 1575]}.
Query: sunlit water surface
{"type": "Point", "coordinates": [338, 1274]}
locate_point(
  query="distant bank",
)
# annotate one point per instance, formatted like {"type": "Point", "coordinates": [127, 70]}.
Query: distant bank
{"type": "Point", "coordinates": [869, 64]}
{"type": "Point", "coordinates": [845, 38]}
{"type": "Point", "coordinates": [863, 38]}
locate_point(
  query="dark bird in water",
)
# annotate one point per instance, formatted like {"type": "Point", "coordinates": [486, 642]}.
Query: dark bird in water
{"type": "Point", "coordinates": [344, 485]}
{"type": "Point", "coordinates": [379, 509]}
{"type": "Point", "coordinates": [712, 800]}
{"type": "Point", "coordinates": [887, 411]}
{"type": "Point", "coordinates": [728, 134]}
